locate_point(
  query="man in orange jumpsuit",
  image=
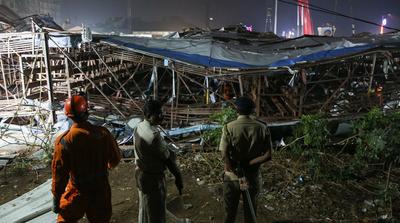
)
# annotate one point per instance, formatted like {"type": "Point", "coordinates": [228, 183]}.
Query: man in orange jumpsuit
{"type": "Point", "coordinates": [82, 157]}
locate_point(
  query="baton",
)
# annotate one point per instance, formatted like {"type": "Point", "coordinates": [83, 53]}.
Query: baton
{"type": "Point", "coordinates": [253, 213]}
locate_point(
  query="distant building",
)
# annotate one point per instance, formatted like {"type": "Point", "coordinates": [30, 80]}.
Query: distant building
{"type": "Point", "coordinates": [268, 21]}
{"type": "Point", "coordinates": [288, 34]}
{"type": "Point", "coordinates": [328, 30]}
{"type": "Point", "coordinates": [31, 7]}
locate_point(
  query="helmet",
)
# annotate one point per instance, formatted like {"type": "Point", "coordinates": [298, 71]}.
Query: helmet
{"type": "Point", "coordinates": [76, 106]}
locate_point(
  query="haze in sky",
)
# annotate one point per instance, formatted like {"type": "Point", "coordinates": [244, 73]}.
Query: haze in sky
{"type": "Point", "coordinates": [177, 14]}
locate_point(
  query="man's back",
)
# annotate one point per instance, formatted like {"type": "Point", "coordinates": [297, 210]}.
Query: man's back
{"type": "Point", "coordinates": [150, 149]}
{"type": "Point", "coordinates": [81, 159]}
{"type": "Point", "coordinates": [245, 145]}
{"type": "Point", "coordinates": [90, 150]}
{"type": "Point", "coordinates": [248, 137]}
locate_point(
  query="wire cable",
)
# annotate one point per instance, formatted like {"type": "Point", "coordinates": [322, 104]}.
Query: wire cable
{"type": "Point", "coordinates": [320, 9]}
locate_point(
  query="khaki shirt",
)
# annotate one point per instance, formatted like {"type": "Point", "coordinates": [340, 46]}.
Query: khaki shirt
{"type": "Point", "coordinates": [247, 138]}
{"type": "Point", "coordinates": [151, 150]}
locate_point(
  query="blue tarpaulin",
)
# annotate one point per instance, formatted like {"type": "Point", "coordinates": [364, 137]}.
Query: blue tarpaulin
{"type": "Point", "coordinates": [211, 53]}
{"type": "Point", "coordinates": [323, 55]}
{"type": "Point", "coordinates": [196, 59]}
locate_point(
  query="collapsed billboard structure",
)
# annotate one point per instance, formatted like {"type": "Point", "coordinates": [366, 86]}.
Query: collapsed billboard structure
{"type": "Point", "coordinates": [196, 71]}
{"type": "Point", "coordinates": [194, 75]}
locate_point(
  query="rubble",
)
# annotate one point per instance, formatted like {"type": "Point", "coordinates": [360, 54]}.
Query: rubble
{"type": "Point", "coordinates": [195, 75]}
{"type": "Point", "coordinates": [118, 75]}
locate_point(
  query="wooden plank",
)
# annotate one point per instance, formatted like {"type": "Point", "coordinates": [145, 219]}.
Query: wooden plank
{"type": "Point", "coordinates": [28, 206]}
{"type": "Point", "coordinates": [48, 217]}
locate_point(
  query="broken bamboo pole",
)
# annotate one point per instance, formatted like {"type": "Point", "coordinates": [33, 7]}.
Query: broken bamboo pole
{"type": "Point", "coordinates": [186, 86]}
{"type": "Point", "coordinates": [173, 97]}
{"type": "Point", "coordinates": [4, 76]}
{"type": "Point", "coordinates": [199, 84]}
{"type": "Point", "coordinates": [155, 80]}
{"type": "Point", "coordinates": [349, 73]}
{"type": "Point", "coordinates": [241, 85]}
{"type": "Point", "coordinates": [53, 117]}
{"type": "Point", "coordinates": [21, 69]}
{"type": "Point", "coordinates": [133, 80]}
{"type": "Point", "coordinates": [67, 74]}
{"type": "Point", "coordinates": [86, 76]}
{"type": "Point", "coordinates": [371, 78]}
{"type": "Point", "coordinates": [116, 79]}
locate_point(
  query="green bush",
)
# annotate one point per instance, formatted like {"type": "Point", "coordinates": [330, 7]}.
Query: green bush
{"type": "Point", "coordinates": [314, 134]}
{"type": "Point", "coordinates": [378, 138]}
{"type": "Point", "coordinates": [226, 115]}
{"type": "Point", "coordinates": [315, 130]}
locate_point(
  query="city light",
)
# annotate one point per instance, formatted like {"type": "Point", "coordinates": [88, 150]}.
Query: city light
{"type": "Point", "coordinates": [384, 22]}
{"type": "Point", "coordinates": [249, 28]}
{"type": "Point", "coordinates": [289, 33]}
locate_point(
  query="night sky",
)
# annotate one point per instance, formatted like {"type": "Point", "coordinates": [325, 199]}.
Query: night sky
{"type": "Point", "coordinates": [176, 14]}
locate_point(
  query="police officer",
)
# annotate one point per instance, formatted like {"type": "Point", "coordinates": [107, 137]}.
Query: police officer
{"type": "Point", "coordinates": [245, 145]}
{"type": "Point", "coordinates": [152, 158]}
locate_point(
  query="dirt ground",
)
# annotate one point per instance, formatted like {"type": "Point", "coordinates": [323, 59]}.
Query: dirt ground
{"type": "Point", "coordinates": [280, 200]}
{"type": "Point", "coordinates": [205, 201]}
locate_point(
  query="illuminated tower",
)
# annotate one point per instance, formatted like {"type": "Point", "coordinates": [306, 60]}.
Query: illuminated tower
{"type": "Point", "coordinates": [304, 17]}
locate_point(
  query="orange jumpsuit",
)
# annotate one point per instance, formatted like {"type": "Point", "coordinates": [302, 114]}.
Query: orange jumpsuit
{"type": "Point", "coordinates": [82, 157]}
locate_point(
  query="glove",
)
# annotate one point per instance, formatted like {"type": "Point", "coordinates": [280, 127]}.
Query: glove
{"type": "Point", "coordinates": [56, 205]}
{"type": "Point", "coordinates": [179, 184]}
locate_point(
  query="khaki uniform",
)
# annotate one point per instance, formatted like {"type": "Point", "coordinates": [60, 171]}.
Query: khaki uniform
{"type": "Point", "coordinates": [247, 139]}
{"type": "Point", "coordinates": [82, 157]}
{"type": "Point", "coordinates": [151, 152]}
